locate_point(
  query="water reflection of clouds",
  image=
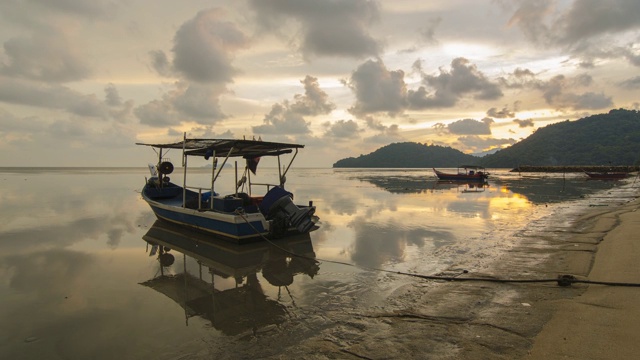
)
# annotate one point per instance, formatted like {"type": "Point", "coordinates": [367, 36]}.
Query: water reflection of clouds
{"type": "Point", "coordinates": [379, 243]}
{"type": "Point", "coordinates": [67, 211]}
{"type": "Point", "coordinates": [111, 227]}
{"type": "Point", "coordinates": [64, 271]}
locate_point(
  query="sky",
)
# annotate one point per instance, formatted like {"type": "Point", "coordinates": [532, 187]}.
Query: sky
{"type": "Point", "coordinates": [82, 81]}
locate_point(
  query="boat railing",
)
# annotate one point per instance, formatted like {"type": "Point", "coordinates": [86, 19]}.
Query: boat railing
{"type": "Point", "coordinates": [269, 186]}
{"type": "Point", "coordinates": [199, 190]}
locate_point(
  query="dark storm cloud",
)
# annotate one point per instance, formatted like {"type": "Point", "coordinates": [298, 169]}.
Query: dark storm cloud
{"type": "Point", "coordinates": [203, 48]}
{"type": "Point", "coordinates": [524, 123]}
{"type": "Point", "coordinates": [450, 85]}
{"type": "Point", "coordinates": [288, 118]}
{"type": "Point", "coordinates": [377, 89]}
{"type": "Point", "coordinates": [342, 129]}
{"type": "Point", "coordinates": [471, 127]}
{"type": "Point", "coordinates": [112, 98]}
{"type": "Point", "coordinates": [45, 55]}
{"type": "Point", "coordinates": [328, 28]}
{"type": "Point", "coordinates": [500, 114]}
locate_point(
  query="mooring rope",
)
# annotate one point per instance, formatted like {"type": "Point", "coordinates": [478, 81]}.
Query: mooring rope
{"type": "Point", "coordinates": [561, 280]}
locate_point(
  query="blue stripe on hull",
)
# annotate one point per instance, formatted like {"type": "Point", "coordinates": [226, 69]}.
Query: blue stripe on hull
{"type": "Point", "coordinates": [233, 230]}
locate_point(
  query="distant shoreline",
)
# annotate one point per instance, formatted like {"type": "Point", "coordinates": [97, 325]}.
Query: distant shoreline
{"type": "Point", "coordinates": [575, 168]}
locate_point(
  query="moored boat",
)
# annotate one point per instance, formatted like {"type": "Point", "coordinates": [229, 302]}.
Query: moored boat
{"type": "Point", "coordinates": [607, 175]}
{"type": "Point", "coordinates": [464, 173]}
{"type": "Point", "coordinates": [242, 215]}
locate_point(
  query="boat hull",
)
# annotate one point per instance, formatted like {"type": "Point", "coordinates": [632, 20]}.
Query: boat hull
{"type": "Point", "coordinates": [238, 227]}
{"type": "Point", "coordinates": [607, 175]}
{"type": "Point", "coordinates": [477, 177]}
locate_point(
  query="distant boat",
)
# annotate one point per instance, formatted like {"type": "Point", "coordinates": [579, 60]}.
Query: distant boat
{"type": "Point", "coordinates": [242, 215]}
{"type": "Point", "coordinates": [607, 175]}
{"type": "Point", "coordinates": [464, 173]}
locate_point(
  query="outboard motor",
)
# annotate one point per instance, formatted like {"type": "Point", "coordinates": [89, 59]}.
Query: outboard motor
{"type": "Point", "coordinates": [278, 201]}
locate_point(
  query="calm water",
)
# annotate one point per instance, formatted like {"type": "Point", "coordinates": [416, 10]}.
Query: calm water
{"type": "Point", "coordinates": [78, 280]}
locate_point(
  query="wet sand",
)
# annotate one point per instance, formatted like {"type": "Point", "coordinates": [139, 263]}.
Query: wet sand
{"type": "Point", "coordinates": [603, 322]}
{"type": "Point", "coordinates": [492, 320]}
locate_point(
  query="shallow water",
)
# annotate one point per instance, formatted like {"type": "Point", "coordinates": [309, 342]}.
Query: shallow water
{"type": "Point", "coordinates": [78, 280]}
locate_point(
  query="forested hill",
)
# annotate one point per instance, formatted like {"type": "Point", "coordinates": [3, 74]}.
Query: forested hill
{"type": "Point", "coordinates": [409, 155]}
{"type": "Point", "coordinates": [612, 138]}
{"type": "Point", "coordinates": [604, 139]}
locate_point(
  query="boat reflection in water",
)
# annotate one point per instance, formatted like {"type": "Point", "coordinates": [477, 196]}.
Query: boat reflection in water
{"type": "Point", "coordinates": [238, 309]}
{"type": "Point", "coordinates": [462, 186]}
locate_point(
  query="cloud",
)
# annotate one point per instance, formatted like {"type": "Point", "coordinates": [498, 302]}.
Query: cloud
{"type": "Point", "coordinates": [449, 86]}
{"type": "Point", "coordinates": [589, 18]}
{"type": "Point", "coordinates": [327, 28]}
{"type": "Point", "coordinates": [203, 49]}
{"type": "Point", "coordinates": [633, 83]}
{"type": "Point", "coordinates": [282, 120]}
{"type": "Point", "coordinates": [187, 102]}
{"type": "Point", "coordinates": [471, 127]}
{"type": "Point", "coordinates": [288, 118]}
{"type": "Point", "coordinates": [555, 93]}
{"type": "Point", "coordinates": [390, 135]}
{"type": "Point", "coordinates": [427, 32]}
{"type": "Point", "coordinates": [524, 123]}
{"type": "Point", "coordinates": [90, 9]}
{"type": "Point", "coordinates": [52, 96]}
{"type": "Point", "coordinates": [500, 114]}
{"type": "Point", "coordinates": [314, 101]}
{"type": "Point", "coordinates": [157, 113]}
{"type": "Point", "coordinates": [588, 101]}
{"type": "Point", "coordinates": [386, 134]}
{"type": "Point", "coordinates": [587, 28]}
{"type": "Point", "coordinates": [46, 55]}
{"type": "Point", "coordinates": [342, 129]}
{"type": "Point", "coordinates": [477, 143]}
{"type": "Point", "coordinates": [560, 90]}
{"type": "Point", "coordinates": [200, 103]}
{"type": "Point", "coordinates": [377, 89]}
{"type": "Point", "coordinates": [518, 79]}
{"type": "Point", "coordinates": [160, 63]}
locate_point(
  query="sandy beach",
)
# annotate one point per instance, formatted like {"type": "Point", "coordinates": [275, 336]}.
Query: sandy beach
{"type": "Point", "coordinates": [604, 321]}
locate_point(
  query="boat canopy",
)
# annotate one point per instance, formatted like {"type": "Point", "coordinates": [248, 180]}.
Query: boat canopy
{"type": "Point", "coordinates": [224, 148]}
{"type": "Point", "coordinates": [470, 167]}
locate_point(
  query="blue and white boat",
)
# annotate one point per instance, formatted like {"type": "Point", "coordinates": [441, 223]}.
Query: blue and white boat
{"type": "Point", "coordinates": [243, 215]}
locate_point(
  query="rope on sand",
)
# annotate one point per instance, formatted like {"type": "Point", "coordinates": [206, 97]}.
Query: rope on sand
{"type": "Point", "coordinates": [561, 280]}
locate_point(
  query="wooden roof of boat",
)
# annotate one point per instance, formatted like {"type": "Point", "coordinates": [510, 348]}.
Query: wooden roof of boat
{"type": "Point", "coordinates": [229, 147]}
